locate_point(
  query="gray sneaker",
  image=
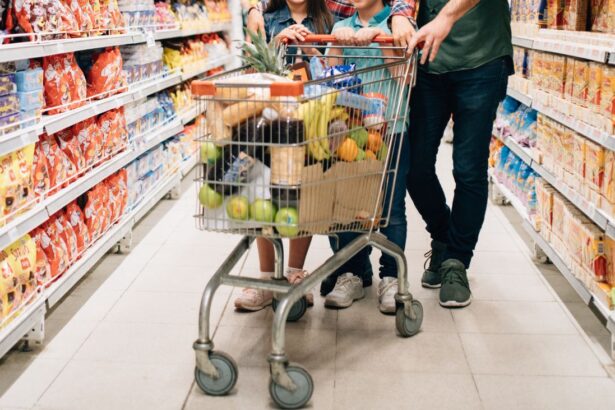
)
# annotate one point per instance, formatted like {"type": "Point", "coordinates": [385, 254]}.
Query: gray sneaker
{"type": "Point", "coordinates": [386, 295]}
{"type": "Point", "coordinates": [455, 291]}
{"type": "Point", "coordinates": [348, 288]}
{"type": "Point", "coordinates": [431, 277]}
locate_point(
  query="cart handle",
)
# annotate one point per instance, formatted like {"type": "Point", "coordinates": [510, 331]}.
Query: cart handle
{"type": "Point", "coordinates": [329, 38]}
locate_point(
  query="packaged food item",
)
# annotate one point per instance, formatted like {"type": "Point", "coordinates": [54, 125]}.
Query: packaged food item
{"type": "Point", "coordinates": [51, 17]}
{"type": "Point", "coordinates": [23, 160]}
{"type": "Point", "coordinates": [9, 104]}
{"type": "Point", "coordinates": [29, 80]}
{"type": "Point", "coordinates": [84, 15]}
{"type": "Point", "coordinates": [603, 15]}
{"type": "Point", "coordinates": [65, 230]}
{"type": "Point", "coordinates": [10, 189]}
{"type": "Point", "coordinates": [594, 86]}
{"type": "Point", "coordinates": [61, 169]}
{"type": "Point", "coordinates": [22, 258]}
{"type": "Point", "coordinates": [90, 140]}
{"type": "Point", "coordinates": [10, 294]}
{"type": "Point", "coordinates": [607, 95]}
{"type": "Point", "coordinates": [9, 123]}
{"type": "Point", "coordinates": [30, 100]}
{"type": "Point", "coordinates": [594, 165]}
{"type": "Point", "coordinates": [575, 15]}
{"type": "Point", "coordinates": [7, 84]}
{"type": "Point", "coordinates": [581, 83]}
{"type": "Point", "coordinates": [43, 269]}
{"type": "Point", "coordinates": [91, 213]}
{"type": "Point", "coordinates": [74, 215]}
{"type": "Point", "coordinates": [111, 15]}
{"type": "Point", "coordinates": [40, 172]}
{"type": "Point", "coordinates": [105, 74]}
{"type": "Point", "coordinates": [69, 145]}
{"type": "Point", "coordinates": [54, 248]}
{"type": "Point", "coordinates": [112, 125]}
{"type": "Point", "coordinates": [57, 84]}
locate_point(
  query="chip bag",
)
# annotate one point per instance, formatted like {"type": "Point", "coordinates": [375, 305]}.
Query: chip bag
{"type": "Point", "coordinates": [40, 172]}
{"type": "Point", "coordinates": [43, 269]}
{"type": "Point", "coordinates": [91, 213]}
{"type": "Point", "coordinates": [56, 83]}
{"type": "Point", "coordinates": [70, 146]}
{"type": "Point", "coordinates": [84, 15]}
{"type": "Point", "coordinates": [22, 258]}
{"type": "Point", "coordinates": [74, 215]}
{"type": "Point", "coordinates": [55, 248]}
{"type": "Point", "coordinates": [65, 230]}
{"type": "Point", "coordinates": [61, 169]}
{"type": "Point", "coordinates": [105, 75]}
{"type": "Point", "coordinates": [90, 140]}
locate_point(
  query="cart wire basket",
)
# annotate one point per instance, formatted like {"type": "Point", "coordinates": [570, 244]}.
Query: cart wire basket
{"type": "Point", "coordinates": [313, 153]}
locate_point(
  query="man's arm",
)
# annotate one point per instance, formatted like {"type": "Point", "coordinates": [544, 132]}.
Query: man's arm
{"type": "Point", "coordinates": [403, 25]}
{"type": "Point", "coordinates": [434, 33]}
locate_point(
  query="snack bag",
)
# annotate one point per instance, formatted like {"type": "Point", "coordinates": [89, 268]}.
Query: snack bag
{"type": "Point", "coordinates": [112, 16]}
{"type": "Point", "coordinates": [22, 258]}
{"type": "Point", "coordinates": [62, 170]}
{"type": "Point", "coordinates": [112, 125]}
{"type": "Point", "coordinates": [10, 190]}
{"type": "Point", "coordinates": [74, 215]}
{"type": "Point", "coordinates": [90, 212]}
{"type": "Point", "coordinates": [40, 172]}
{"type": "Point", "coordinates": [77, 82]}
{"type": "Point", "coordinates": [89, 137]}
{"type": "Point", "coordinates": [68, 235]}
{"type": "Point", "coordinates": [56, 84]}
{"type": "Point", "coordinates": [55, 248]}
{"type": "Point", "coordinates": [70, 146]}
{"type": "Point", "coordinates": [43, 269]}
{"type": "Point", "coordinates": [105, 210]}
{"type": "Point", "coordinates": [105, 74]}
{"type": "Point", "coordinates": [122, 184]}
{"type": "Point", "coordinates": [10, 296]}
{"type": "Point", "coordinates": [84, 14]}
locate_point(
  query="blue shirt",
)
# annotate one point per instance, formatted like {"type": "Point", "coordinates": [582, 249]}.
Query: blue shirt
{"type": "Point", "coordinates": [372, 79]}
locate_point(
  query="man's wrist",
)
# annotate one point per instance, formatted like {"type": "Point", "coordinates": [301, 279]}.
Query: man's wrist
{"type": "Point", "coordinates": [410, 19]}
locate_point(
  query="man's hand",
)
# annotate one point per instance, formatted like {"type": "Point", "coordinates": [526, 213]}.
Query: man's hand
{"type": "Point", "coordinates": [256, 22]}
{"type": "Point", "coordinates": [345, 36]}
{"type": "Point", "coordinates": [432, 35]}
{"type": "Point", "coordinates": [364, 36]}
{"type": "Point", "coordinates": [403, 31]}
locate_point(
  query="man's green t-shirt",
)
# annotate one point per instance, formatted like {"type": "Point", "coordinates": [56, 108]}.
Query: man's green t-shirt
{"type": "Point", "coordinates": [377, 80]}
{"type": "Point", "coordinates": [480, 36]}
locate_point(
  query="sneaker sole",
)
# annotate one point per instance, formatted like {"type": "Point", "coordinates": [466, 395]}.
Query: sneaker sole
{"type": "Point", "coordinates": [430, 286]}
{"type": "Point", "coordinates": [387, 311]}
{"type": "Point", "coordinates": [455, 304]}
{"type": "Point", "coordinates": [251, 308]}
{"type": "Point", "coordinates": [336, 305]}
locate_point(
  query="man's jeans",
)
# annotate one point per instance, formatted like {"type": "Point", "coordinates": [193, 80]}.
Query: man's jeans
{"type": "Point", "coordinates": [396, 230]}
{"type": "Point", "coordinates": [471, 97]}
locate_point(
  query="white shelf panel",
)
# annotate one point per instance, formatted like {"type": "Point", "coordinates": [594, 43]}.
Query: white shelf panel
{"type": "Point", "coordinates": [212, 28]}
{"type": "Point", "coordinates": [519, 96]}
{"type": "Point", "coordinates": [189, 164]}
{"type": "Point", "coordinates": [525, 42]}
{"type": "Point", "coordinates": [189, 115]}
{"type": "Point", "coordinates": [32, 315]}
{"type": "Point", "coordinates": [217, 62]}
{"type": "Point", "coordinates": [19, 139]}
{"type": "Point", "coordinates": [162, 188]}
{"type": "Point", "coordinates": [576, 49]}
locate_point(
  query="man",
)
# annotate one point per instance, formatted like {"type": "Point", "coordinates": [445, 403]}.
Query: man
{"type": "Point", "coordinates": [466, 61]}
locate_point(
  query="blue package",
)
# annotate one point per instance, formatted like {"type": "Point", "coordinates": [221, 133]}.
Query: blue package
{"type": "Point", "coordinates": [30, 100]}
{"type": "Point", "coordinates": [348, 82]}
{"type": "Point", "coordinates": [29, 80]}
{"type": "Point", "coordinates": [317, 69]}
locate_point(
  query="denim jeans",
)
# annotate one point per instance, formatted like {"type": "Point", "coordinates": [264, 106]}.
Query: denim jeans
{"type": "Point", "coordinates": [471, 97]}
{"type": "Point", "coordinates": [395, 231]}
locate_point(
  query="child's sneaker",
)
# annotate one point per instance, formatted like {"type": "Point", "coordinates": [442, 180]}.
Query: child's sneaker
{"type": "Point", "coordinates": [348, 288]}
{"type": "Point", "coordinates": [253, 300]}
{"type": "Point", "coordinates": [386, 295]}
{"type": "Point", "coordinates": [295, 276]}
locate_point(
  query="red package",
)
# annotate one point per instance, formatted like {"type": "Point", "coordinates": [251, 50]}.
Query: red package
{"type": "Point", "coordinates": [90, 141]}
{"type": "Point", "coordinates": [65, 230]}
{"type": "Point", "coordinates": [105, 75]}
{"type": "Point", "coordinates": [54, 248]}
{"type": "Point", "coordinates": [112, 16]}
{"type": "Point", "coordinates": [104, 211]}
{"type": "Point", "coordinates": [40, 173]}
{"type": "Point", "coordinates": [61, 169]}
{"type": "Point", "coordinates": [112, 125]}
{"type": "Point", "coordinates": [82, 9]}
{"type": "Point", "coordinates": [42, 269]}
{"type": "Point", "coordinates": [41, 16]}
{"type": "Point", "coordinates": [70, 146]}
{"type": "Point", "coordinates": [56, 83]}
{"type": "Point", "coordinates": [74, 215]}
{"type": "Point", "coordinates": [91, 213]}
{"type": "Point", "coordinates": [76, 80]}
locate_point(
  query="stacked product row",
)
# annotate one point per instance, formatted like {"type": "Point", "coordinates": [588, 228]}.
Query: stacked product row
{"type": "Point", "coordinates": [21, 97]}
{"type": "Point", "coordinates": [581, 15]}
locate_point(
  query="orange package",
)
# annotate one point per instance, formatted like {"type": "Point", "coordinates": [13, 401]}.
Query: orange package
{"type": "Point", "coordinates": [89, 138]}
{"type": "Point", "coordinates": [70, 146]}
{"type": "Point", "coordinates": [54, 248]}
{"type": "Point", "coordinates": [68, 235]}
{"type": "Point", "coordinates": [105, 210]}
{"type": "Point", "coordinates": [56, 84]}
{"type": "Point", "coordinates": [83, 12]}
{"type": "Point", "coordinates": [112, 125]}
{"type": "Point", "coordinates": [43, 269]}
{"type": "Point", "coordinates": [112, 16]}
{"type": "Point", "coordinates": [122, 184]}
{"type": "Point", "coordinates": [105, 75]}
{"type": "Point", "coordinates": [40, 172]}
{"type": "Point", "coordinates": [76, 79]}
{"type": "Point", "coordinates": [91, 213]}
{"type": "Point", "coordinates": [74, 215]}
{"type": "Point", "coordinates": [61, 169]}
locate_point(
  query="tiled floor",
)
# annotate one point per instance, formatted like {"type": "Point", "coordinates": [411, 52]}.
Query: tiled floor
{"type": "Point", "coordinates": [123, 338]}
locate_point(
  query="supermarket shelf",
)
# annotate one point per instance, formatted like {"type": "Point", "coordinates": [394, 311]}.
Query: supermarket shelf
{"type": "Point", "coordinates": [32, 315]}
{"type": "Point", "coordinates": [190, 114]}
{"type": "Point", "coordinates": [559, 263]}
{"type": "Point", "coordinates": [61, 121]}
{"type": "Point", "coordinates": [567, 48]}
{"type": "Point", "coordinates": [189, 164]}
{"type": "Point", "coordinates": [212, 28]}
{"type": "Point", "coordinates": [514, 201]}
{"type": "Point", "coordinates": [22, 225]}
{"type": "Point", "coordinates": [162, 188]}
{"type": "Point", "coordinates": [514, 146]}
{"type": "Point", "coordinates": [169, 130]}
{"type": "Point", "coordinates": [519, 96]}
{"type": "Point", "coordinates": [525, 42]}
{"type": "Point", "coordinates": [19, 139]}
{"type": "Point", "coordinates": [20, 51]}
{"type": "Point", "coordinates": [206, 67]}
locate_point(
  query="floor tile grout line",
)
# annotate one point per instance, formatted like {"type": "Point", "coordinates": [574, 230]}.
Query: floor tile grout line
{"type": "Point", "coordinates": [465, 356]}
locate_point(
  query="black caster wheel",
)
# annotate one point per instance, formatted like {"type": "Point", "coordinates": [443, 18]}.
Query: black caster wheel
{"type": "Point", "coordinates": [296, 311]}
{"type": "Point", "coordinates": [405, 326]}
{"type": "Point", "coordinates": [297, 399]}
{"type": "Point", "coordinates": [227, 372]}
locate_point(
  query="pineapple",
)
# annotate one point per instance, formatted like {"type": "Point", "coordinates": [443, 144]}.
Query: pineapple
{"type": "Point", "coordinates": [263, 57]}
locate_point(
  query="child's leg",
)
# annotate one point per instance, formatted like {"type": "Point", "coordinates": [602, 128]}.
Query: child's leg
{"type": "Point", "coordinates": [256, 299]}
{"type": "Point", "coordinates": [397, 229]}
{"type": "Point", "coordinates": [296, 259]}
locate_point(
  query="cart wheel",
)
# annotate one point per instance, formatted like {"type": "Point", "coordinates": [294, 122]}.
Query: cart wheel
{"type": "Point", "coordinates": [227, 371]}
{"type": "Point", "coordinates": [406, 326]}
{"type": "Point", "coordinates": [296, 312]}
{"type": "Point", "coordinates": [287, 399]}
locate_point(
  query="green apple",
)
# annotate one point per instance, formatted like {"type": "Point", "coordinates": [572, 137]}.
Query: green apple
{"type": "Point", "coordinates": [209, 197]}
{"type": "Point", "coordinates": [287, 220]}
{"type": "Point", "coordinates": [360, 155]}
{"type": "Point", "coordinates": [262, 210]}
{"type": "Point", "coordinates": [382, 154]}
{"type": "Point", "coordinates": [359, 135]}
{"type": "Point", "coordinates": [210, 153]}
{"type": "Point", "coordinates": [238, 207]}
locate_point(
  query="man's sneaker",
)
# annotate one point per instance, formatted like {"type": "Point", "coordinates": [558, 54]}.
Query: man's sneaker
{"type": "Point", "coordinates": [386, 295]}
{"type": "Point", "coordinates": [252, 300]}
{"type": "Point", "coordinates": [455, 290]}
{"type": "Point", "coordinates": [431, 277]}
{"type": "Point", "coordinates": [348, 288]}
{"type": "Point", "coordinates": [295, 276]}
{"type": "Point", "coordinates": [327, 285]}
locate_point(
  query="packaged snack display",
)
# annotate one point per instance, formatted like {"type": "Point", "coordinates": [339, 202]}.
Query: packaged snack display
{"type": "Point", "coordinates": [84, 15]}
{"type": "Point", "coordinates": [90, 140]}
{"type": "Point", "coordinates": [64, 82]}
{"type": "Point", "coordinates": [112, 126]}
{"type": "Point", "coordinates": [139, 13]}
{"type": "Point", "coordinates": [74, 216]}
{"type": "Point", "coordinates": [69, 144]}
{"type": "Point", "coordinates": [30, 100]}
{"type": "Point", "coordinates": [18, 284]}
{"type": "Point", "coordinates": [142, 62]}
{"type": "Point", "coordinates": [9, 104]}
{"type": "Point", "coordinates": [7, 84]}
{"type": "Point", "coordinates": [164, 16]}
{"type": "Point", "coordinates": [43, 269]}
{"type": "Point", "coordinates": [41, 180]}
{"type": "Point", "coordinates": [104, 76]}
{"type": "Point", "coordinates": [47, 17]}
{"type": "Point", "coordinates": [603, 15]}
{"type": "Point", "coordinates": [55, 248]}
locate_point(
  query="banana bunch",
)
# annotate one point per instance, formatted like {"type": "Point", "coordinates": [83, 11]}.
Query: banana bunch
{"type": "Point", "coordinates": [316, 115]}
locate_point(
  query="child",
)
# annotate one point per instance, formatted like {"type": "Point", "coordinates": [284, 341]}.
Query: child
{"type": "Point", "coordinates": [291, 20]}
{"type": "Point", "coordinates": [369, 21]}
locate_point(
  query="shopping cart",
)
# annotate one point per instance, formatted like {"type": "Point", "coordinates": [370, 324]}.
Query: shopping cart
{"type": "Point", "coordinates": [296, 158]}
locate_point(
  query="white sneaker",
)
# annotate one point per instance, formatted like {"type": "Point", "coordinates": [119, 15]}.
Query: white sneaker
{"type": "Point", "coordinates": [387, 288]}
{"type": "Point", "coordinates": [348, 288]}
{"type": "Point", "coordinates": [253, 300]}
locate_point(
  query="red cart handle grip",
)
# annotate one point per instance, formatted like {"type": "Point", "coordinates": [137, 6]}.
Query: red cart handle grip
{"type": "Point", "coordinates": [328, 38]}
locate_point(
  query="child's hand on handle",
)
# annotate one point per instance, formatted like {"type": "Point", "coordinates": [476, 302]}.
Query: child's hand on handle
{"type": "Point", "coordinates": [364, 36]}
{"type": "Point", "coordinates": [345, 36]}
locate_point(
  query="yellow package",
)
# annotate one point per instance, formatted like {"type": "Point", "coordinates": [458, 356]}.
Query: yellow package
{"type": "Point", "coordinates": [569, 78]}
{"type": "Point", "coordinates": [594, 165]}
{"type": "Point", "coordinates": [9, 188]}
{"type": "Point", "coordinates": [9, 287]}
{"type": "Point", "coordinates": [593, 257]}
{"type": "Point", "coordinates": [609, 251]}
{"type": "Point", "coordinates": [22, 258]}
{"type": "Point", "coordinates": [557, 218]}
{"type": "Point", "coordinates": [607, 93]}
{"type": "Point", "coordinates": [544, 197]}
{"type": "Point", "coordinates": [594, 86]}
{"type": "Point", "coordinates": [608, 181]}
{"type": "Point", "coordinates": [558, 66]}
{"type": "Point", "coordinates": [575, 15]}
{"type": "Point", "coordinates": [580, 84]}
{"type": "Point", "coordinates": [23, 160]}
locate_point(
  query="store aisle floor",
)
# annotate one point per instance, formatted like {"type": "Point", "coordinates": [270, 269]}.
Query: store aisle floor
{"type": "Point", "coordinates": [123, 338]}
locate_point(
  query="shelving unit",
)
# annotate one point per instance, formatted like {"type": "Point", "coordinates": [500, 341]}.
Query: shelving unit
{"type": "Point", "coordinates": [31, 319]}
{"type": "Point", "coordinates": [567, 48]}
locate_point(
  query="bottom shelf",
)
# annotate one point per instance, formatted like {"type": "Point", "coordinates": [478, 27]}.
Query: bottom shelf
{"type": "Point", "coordinates": [33, 315]}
